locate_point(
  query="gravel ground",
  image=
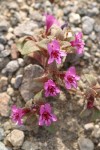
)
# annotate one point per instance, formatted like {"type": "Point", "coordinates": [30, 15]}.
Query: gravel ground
{"type": "Point", "coordinates": [22, 17]}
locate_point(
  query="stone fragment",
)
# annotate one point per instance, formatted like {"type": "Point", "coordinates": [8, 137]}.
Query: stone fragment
{"type": "Point", "coordinates": [25, 28]}
{"type": "Point", "coordinates": [74, 18]}
{"type": "Point", "coordinates": [16, 137]}
{"type": "Point", "coordinates": [21, 62]}
{"type": "Point", "coordinates": [4, 104]}
{"type": "Point", "coordinates": [4, 26]}
{"type": "Point", "coordinates": [85, 144]}
{"type": "Point", "coordinates": [87, 24]}
{"type": "Point", "coordinates": [5, 53]}
{"type": "Point", "coordinates": [1, 134]}
{"type": "Point", "coordinates": [2, 146]}
{"type": "Point", "coordinates": [96, 131]}
{"type": "Point", "coordinates": [89, 126]}
{"type": "Point", "coordinates": [18, 81]}
{"type": "Point", "coordinates": [12, 66]}
{"type": "Point", "coordinates": [3, 83]}
{"type": "Point", "coordinates": [1, 47]}
{"type": "Point", "coordinates": [10, 91]}
{"type": "Point", "coordinates": [27, 145]}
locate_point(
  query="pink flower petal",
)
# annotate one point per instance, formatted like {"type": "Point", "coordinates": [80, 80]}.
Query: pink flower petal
{"type": "Point", "coordinates": [50, 60]}
{"type": "Point", "coordinates": [48, 122]}
{"type": "Point", "coordinates": [48, 107]}
{"type": "Point", "coordinates": [41, 122]}
{"type": "Point", "coordinates": [50, 20]}
{"type": "Point", "coordinates": [58, 60]}
{"type": "Point", "coordinates": [42, 109]}
{"type": "Point", "coordinates": [68, 85]}
{"type": "Point", "coordinates": [54, 118]}
{"type": "Point", "coordinates": [63, 53]}
{"type": "Point", "coordinates": [72, 70]}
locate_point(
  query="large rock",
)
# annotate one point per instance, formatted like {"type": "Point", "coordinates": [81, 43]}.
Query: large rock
{"type": "Point", "coordinates": [85, 144]}
{"type": "Point", "coordinates": [28, 86]}
{"type": "Point", "coordinates": [16, 137]}
{"type": "Point", "coordinates": [87, 24]}
{"type": "Point", "coordinates": [4, 104]}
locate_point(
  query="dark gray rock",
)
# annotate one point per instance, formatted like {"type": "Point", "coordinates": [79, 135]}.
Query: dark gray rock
{"type": "Point", "coordinates": [28, 86]}
{"type": "Point", "coordinates": [3, 62]}
{"type": "Point", "coordinates": [18, 81]}
{"type": "Point", "coordinates": [3, 40]}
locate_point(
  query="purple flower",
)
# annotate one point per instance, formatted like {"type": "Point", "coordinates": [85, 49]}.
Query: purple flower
{"type": "Point", "coordinates": [90, 105]}
{"type": "Point", "coordinates": [90, 102]}
{"type": "Point", "coordinates": [17, 114]}
{"type": "Point", "coordinates": [55, 52]}
{"type": "Point", "coordinates": [46, 117]}
{"type": "Point", "coordinates": [50, 88]}
{"type": "Point", "coordinates": [50, 20]}
{"type": "Point", "coordinates": [71, 78]}
{"type": "Point", "coordinates": [78, 43]}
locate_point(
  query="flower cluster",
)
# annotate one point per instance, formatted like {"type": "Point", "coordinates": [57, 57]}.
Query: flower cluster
{"type": "Point", "coordinates": [53, 44]}
{"type": "Point", "coordinates": [55, 54]}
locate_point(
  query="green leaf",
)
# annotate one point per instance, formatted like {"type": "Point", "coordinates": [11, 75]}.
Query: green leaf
{"type": "Point", "coordinates": [38, 95]}
{"type": "Point", "coordinates": [96, 114]}
{"type": "Point", "coordinates": [43, 43]}
{"type": "Point", "coordinates": [38, 98]}
{"type": "Point", "coordinates": [50, 128]}
{"type": "Point", "coordinates": [85, 113]}
{"type": "Point", "coordinates": [28, 47]}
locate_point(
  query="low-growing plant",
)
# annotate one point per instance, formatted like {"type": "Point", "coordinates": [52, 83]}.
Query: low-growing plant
{"type": "Point", "coordinates": [50, 46]}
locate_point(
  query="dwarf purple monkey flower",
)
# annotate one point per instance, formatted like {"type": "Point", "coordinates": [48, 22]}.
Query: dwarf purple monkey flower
{"type": "Point", "coordinates": [17, 114]}
{"type": "Point", "coordinates": [50, 20]}
{"type": "Point", "coordinates": [55, 52]}
{"type": "Point", "coordinates": [71, 78]}
{"type": "Point", "coordinates": [78, 43]}
{"type": "Point", "coordinates": [46, 116]}
{"type": "Point", "coordinates": [50, 88]}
